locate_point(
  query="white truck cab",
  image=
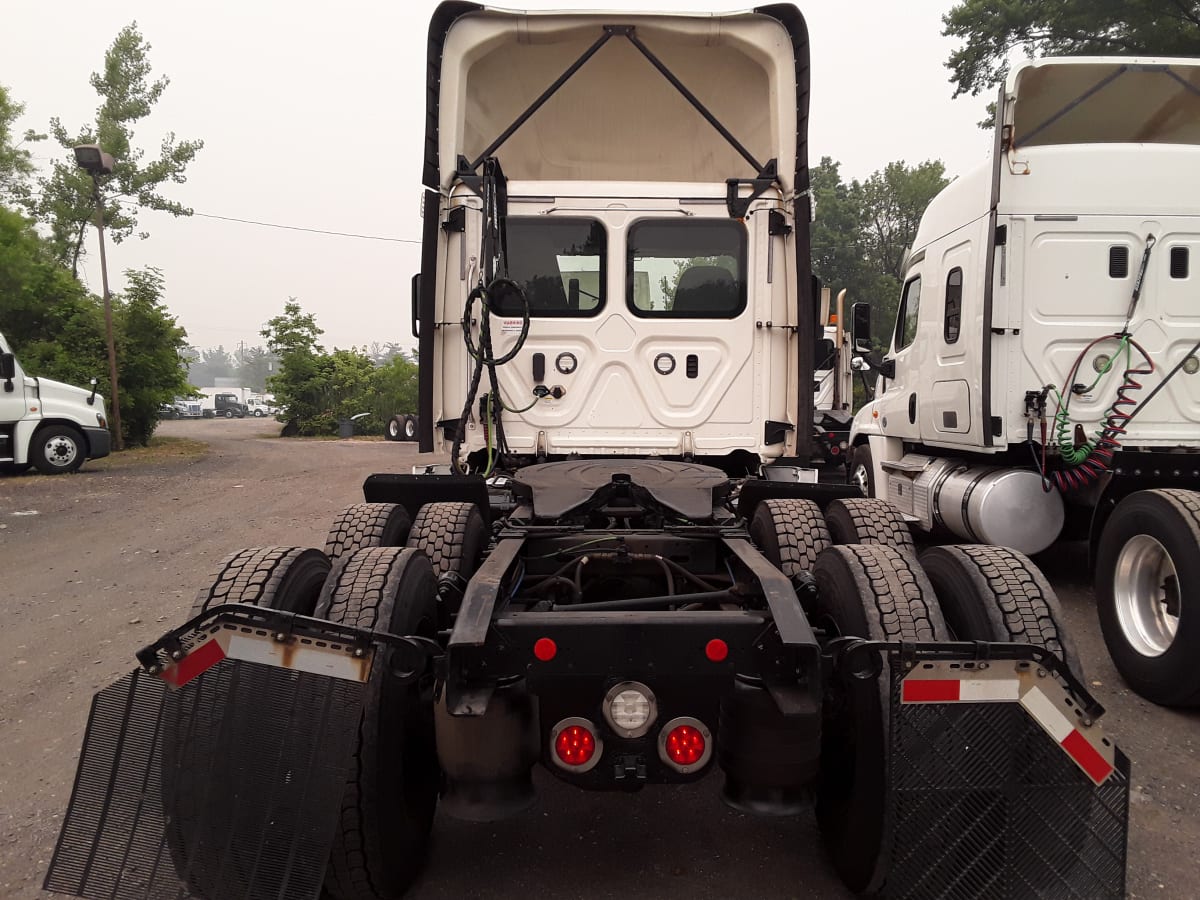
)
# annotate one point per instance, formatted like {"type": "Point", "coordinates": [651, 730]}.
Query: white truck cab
{"type": "Point", "coordinates": [1042, 377]}
{"type": "Point", "coordinates": [47, 424]}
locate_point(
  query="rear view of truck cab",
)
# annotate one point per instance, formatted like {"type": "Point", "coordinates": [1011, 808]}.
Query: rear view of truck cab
{"type": "Point", "coordinates": [47, 424]}
{"type": "Point", "coordinates": [658, 253]}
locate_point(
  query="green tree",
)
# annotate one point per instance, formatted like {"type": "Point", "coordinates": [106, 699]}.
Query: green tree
{"type": "Point", "coordinates": [255, 366]}
{"type": "Point", "coordinates": [16, 163]}
{"type": "Point", "coordinates": [992, 30]}
{"type": "Point", "coordinates": [128, 94]}
{"type": "Point", "coordinates": [394, 388]}
{"type": "Point", "coordinates": [293, 331]}
{"type": "Point", "coordinates": [150, 345]}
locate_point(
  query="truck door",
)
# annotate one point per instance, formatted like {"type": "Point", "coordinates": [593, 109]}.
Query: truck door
{"type": "Point", "coordinates": [12, 404]}
{"type": "Point", "coordinates": [899, 403]}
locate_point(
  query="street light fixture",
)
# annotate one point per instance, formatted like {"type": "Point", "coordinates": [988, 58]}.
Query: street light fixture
{"type": "Point", "coordinates": [96, 162]}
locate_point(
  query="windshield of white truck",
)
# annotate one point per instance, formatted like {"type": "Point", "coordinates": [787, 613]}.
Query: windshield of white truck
{"type": "Point", "coordinates": [560, 264]}
{"type": "Point", "coordinates": [686, 270]}
{"type": "Point", "coordinates": [1107, 103]}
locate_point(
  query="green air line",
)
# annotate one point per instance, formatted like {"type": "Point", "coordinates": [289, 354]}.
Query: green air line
{"type": "Point", "coordinates": [1063, 430]}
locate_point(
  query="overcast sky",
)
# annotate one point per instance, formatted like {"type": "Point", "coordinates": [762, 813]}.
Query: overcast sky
{"type": "Point", "coordinates": [313, 115]}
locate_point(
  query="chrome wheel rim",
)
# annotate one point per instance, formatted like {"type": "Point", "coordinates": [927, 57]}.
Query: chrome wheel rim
{"type": "Point", "coordinates": [1147, 595]}
{"type": "Point", "coordinates": [61, 451]}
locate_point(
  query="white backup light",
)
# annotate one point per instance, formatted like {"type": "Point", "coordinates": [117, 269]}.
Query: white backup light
{"type": "Point", "coordinates": [630, 708]}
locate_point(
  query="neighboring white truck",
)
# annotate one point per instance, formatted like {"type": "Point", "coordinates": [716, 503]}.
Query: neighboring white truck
{"type": "Point", "coordinates": [1041, 381]}
{"type": "Point", "coordinates": [47, 424]}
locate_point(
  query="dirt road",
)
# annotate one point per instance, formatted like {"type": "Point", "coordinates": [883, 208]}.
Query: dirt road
{"type": "Point", "coordinates": [98, 564]}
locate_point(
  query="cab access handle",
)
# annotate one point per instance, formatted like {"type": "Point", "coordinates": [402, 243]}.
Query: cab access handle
{"type": "Point", "coordinates": [416, 304]}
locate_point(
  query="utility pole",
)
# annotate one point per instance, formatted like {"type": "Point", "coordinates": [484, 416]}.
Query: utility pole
{"type": "Point", "coordinates": [95, 161]}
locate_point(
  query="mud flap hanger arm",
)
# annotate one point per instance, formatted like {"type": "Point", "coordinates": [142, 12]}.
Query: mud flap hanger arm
{"type": "Point", "coordinates": [767, 174]}
{"type": "Point", "coordinates": [280, 625]}
{"type": "Point", "coordinates": [857, 658]}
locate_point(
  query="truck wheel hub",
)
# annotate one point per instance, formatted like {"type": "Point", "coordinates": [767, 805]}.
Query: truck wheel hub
{"type": "Point", "coordinates": [60, 451]}
{"type": "Point", "coordinates": [1146, 591]}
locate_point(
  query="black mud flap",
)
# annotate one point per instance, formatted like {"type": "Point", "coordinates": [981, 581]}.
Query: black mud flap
{"type": "Point", "coordinates": [1002, 785]}
{"type": "Point", "coordinates": [226, 788]}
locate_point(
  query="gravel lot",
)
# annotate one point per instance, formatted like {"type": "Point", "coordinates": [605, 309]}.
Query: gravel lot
{"type": "Point", "coordinates": [100, 563]}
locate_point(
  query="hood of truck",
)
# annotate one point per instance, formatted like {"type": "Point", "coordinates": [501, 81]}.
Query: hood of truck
{"type": "Point", "coordinates": [615, 118]}
{"type": "Point", "coordinates": [68, 401]}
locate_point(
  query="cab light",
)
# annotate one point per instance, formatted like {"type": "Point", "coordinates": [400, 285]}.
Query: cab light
{"type": "Point", "coordinates": [575, 745]}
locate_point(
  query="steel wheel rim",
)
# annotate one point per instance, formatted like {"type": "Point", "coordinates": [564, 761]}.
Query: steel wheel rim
{"type": "Point", "coordinates": [860, 478]}
{"type": "Point", "coordinates": [61, 451]}
{"type": "Point", "coordinates": [1147, 596]}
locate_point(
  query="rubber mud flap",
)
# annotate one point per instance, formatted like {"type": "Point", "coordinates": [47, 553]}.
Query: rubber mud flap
{"type": "Point", "coordinates": [228, 787]}
{"type": "Point", "coordinates": [985, 803]}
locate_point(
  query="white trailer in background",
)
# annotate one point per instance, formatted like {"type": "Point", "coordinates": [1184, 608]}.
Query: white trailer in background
{"type": "Point", "coordinates": [1043, 379]}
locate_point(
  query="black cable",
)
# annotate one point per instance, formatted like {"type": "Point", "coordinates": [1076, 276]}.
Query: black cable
{"type": "Point", "coordinates": [1163, 383]}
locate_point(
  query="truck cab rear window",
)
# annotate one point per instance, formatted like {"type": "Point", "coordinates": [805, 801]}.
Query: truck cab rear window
{"type": "Point", "coordinates": [686, 270]}
{"type": "Point", "coordinates": [560, 264]}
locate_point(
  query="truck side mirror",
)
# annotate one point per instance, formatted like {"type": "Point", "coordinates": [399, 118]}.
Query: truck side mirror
{"type": "Point", "coordinates": [91, 400]}
{"type": "Point", "coordinates": [8, 366]}
{"type": "Point", "coordinates": [860, 329]}
{"type": "Point", "coordinates": [416, 299]}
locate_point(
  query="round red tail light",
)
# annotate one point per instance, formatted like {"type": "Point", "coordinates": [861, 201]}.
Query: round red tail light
{"type": "Point", "coordinates": [685, 744]}
{"type": "Point", "coordinates": [576, 747]}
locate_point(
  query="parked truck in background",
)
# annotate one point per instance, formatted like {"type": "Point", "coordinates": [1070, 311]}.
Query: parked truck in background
{"type": "Point", "coordinates": [617, 330]}
{"type": "Point", "coordinates": [47, 424]}
{"type": "Point", "coordinates": [1043, 379]}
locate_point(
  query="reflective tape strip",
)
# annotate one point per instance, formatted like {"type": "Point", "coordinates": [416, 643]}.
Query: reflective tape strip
{"type": "Point", "coordinates": [1078, 746]}
{"type": "Point", "coordinates": [300, 657]}
{"type": "Point", "coordinates": [194, 664]}
{"type": "Point", "coordinates": [967, 690]}
{"type": "Point", "coordinates": [1046, 714]}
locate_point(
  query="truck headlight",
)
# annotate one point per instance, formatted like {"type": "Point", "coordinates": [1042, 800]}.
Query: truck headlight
{"type": "Point", "coordinates": [101, 420]}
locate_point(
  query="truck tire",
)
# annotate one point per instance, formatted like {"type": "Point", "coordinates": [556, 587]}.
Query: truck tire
{"type": "Point", "coordinates": [862, 520]}
{"type": "Point", "coordinates": [57, 449]}
{"type": "Point", "coordinates": [996, 594]}
{"type": "Point", "coordinates": [387, 811]}
{"type": "Point", "coordinates": [367, 525]}
{"type": "Point", "coordinates": [395, 428]}
{"type": "Point", "coordinates": [791, 533]}
{"type": "Point", "coordinates": [452, 535]}
{"type": "Point", "coordinates": [879, 593]}
{"type": "Point", "coordinates": [286, 578]}
{"type": "Point", "coordinates": [410, 428]}
{"type": "Point", "coordinates": [229, 414]}
{"type": "Point", "coordinates": [861, 469]}
{"type": "Point", "coordinates": [1147, 581]}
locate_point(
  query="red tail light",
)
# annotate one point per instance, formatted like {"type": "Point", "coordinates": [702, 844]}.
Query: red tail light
{"type": "Point", "coordinates": [575, 745]}
{"type": "Point", "coordinates": [685, 744]}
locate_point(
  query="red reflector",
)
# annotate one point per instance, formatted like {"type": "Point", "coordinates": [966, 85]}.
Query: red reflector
{"type": "Point", "coordinates": [930, 691]}
{"type": "Point", "coordinates": [575, 745]}
{"type": "Point", "coordinates": [1086, 755]}
{"type": "Point", "coordinates": [685, 745]}
{"type": "Point", "coordinates": [194, 664]}
{"type": "Point", "coordinates": [545, 649]}
{"type": "Point", "coordinates": [716, 650]}
{"type": "Point", "coordinates": [835, 450]}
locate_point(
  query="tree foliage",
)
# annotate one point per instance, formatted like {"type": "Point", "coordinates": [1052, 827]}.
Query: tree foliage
{"type": "Point", "coordinates": [316, 390]}
{"type": "Point", "coordinates": [863, 230]}
{"type": "Point", "coordinates": [128, 93]}
{"type": "Point", "coordinates": [992, 30]}
{"type": "Point", "coordinates": [16, 162]}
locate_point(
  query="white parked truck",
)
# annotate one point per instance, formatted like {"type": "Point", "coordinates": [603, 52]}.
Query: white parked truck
{"type": "Point", "coordinates": [47, 424]}
{"type": "Point", "coordinates": [1042, 380]}
{"type": "Point", "coordinates": [617, 328]}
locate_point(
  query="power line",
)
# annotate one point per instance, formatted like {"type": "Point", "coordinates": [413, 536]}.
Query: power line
{"type": "Point", "coordinates": [365, 237]}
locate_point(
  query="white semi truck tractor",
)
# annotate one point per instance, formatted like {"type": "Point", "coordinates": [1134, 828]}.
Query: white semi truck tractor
{"type": "Point", "coordinates": [1042, 381]}
{"type": "Point", "coordinates": [47, 424]}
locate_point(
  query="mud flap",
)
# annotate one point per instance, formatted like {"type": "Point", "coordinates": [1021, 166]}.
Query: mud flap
{"type": "Point", "coordinates": [226, 788]}
{"type": "Point", "coordinates": [1001, 786]}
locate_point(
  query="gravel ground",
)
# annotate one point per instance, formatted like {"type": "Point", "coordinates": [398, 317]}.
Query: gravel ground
{"type": "Point", "coordinates": [100, 563]}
